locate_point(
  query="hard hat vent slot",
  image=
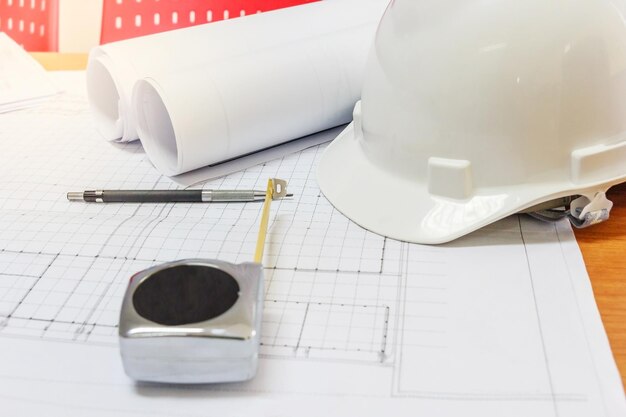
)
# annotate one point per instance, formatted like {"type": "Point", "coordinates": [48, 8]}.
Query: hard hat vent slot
{"type": "Point", "coordinates": [598, 163]}
{"type": "Point", "coordinates": [451, 178]}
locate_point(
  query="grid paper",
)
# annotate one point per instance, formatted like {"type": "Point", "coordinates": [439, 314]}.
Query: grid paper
{"type": "Point", "coordinates": [390, 321]}
{"type": "Point", "coordinates": [65, 265]}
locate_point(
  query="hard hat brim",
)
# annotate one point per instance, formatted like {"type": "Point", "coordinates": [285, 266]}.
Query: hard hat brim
{"type": "Point", "coordinates": [395, 207]}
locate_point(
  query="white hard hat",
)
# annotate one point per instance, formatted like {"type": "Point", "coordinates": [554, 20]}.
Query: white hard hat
{"type": "Point", "coordinates": [474, 110]}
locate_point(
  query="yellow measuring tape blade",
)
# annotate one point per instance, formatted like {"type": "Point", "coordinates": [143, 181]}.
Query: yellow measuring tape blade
{"type": "Point", "coordinates": [265, 216]}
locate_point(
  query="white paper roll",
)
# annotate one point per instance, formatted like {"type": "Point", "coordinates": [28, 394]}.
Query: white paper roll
{"type": "Point", "coordinates": [250, 102]}
{"type": "Point", "coordinates": [113, 69]}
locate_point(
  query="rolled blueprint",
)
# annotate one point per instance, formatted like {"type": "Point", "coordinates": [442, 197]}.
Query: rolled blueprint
{"type": "Point", "coordinates": [214, 92]}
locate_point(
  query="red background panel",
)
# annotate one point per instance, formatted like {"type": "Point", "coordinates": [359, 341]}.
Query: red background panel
{"type": "Point", "coordinates": [123, 19]}
{"type": "Point", "coordinates": [31, 23]}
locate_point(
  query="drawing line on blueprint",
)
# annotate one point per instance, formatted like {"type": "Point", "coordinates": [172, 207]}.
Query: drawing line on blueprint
{"type": "Point", "coordinates": [87, 325]}
{"type": "Point", "coordinates": [377, 333]}
{"type": "Point", "coordinates": [398, 391]}
{"type": "Point", "coordinates": [538, 316]}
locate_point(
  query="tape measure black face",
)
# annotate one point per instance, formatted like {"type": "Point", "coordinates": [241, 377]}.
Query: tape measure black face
{"type": "Point", "coordinates": [185, 294]}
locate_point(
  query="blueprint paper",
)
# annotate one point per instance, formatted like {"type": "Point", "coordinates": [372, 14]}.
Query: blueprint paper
{"type": "Point", "coordinates": [23, 82]}
{"type": "Point", "coordinates": [190, 119]}
{"type": "Point", "coordinates": [199, 176]}
{"type": "Point", "coordinates": [205, 94]}
{"type": "Point", "coordinates": [499, 323]}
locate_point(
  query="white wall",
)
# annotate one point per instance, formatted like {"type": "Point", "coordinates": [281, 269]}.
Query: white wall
{"type": "Point", "coordinates": [79, 25]}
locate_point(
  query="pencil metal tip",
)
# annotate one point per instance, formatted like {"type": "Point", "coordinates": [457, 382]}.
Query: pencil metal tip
{"type": "Point", "coordinates": [75, 196]}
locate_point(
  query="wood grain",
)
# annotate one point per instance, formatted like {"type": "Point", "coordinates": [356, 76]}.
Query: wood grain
{"type": "Point", "coordinates": [604, 250]}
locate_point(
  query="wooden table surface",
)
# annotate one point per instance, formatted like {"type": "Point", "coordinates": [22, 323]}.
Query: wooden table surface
{"type": "Point", "coordinates": [604, 249]}
{"type": "Point", "coordinates": [603, 246]}
{"type": "Point", "coordinates": [55, 61]}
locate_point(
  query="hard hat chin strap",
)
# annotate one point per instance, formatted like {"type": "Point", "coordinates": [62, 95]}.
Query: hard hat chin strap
{"type": "Point", "coordinates": [581, 211]}
{"type": "Point", "coordinates": [584, 212]}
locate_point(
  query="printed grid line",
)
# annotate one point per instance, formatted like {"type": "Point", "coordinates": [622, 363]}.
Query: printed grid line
{"type": "Point", "coordinates": [95, 248]}
{"type": "Point", "coordinates": [337, 288]}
